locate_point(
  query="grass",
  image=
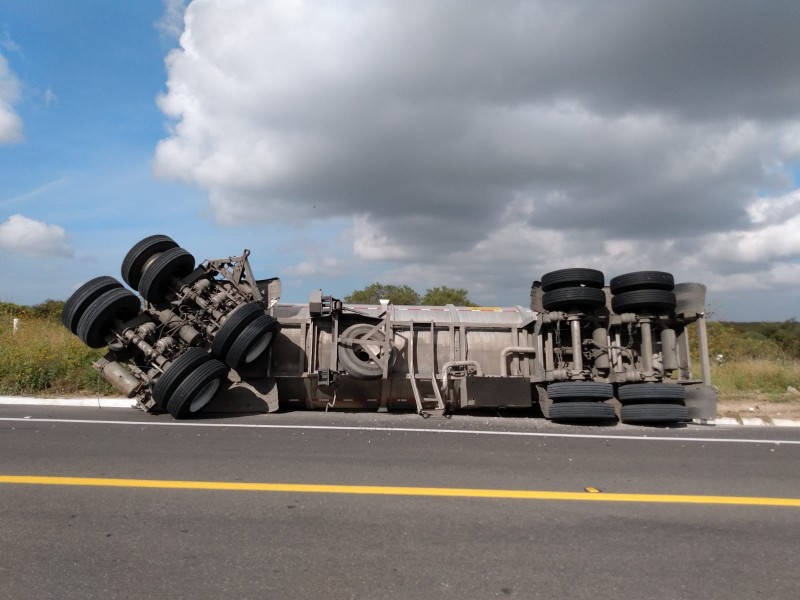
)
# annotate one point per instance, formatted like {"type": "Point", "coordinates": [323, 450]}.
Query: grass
{"type": "Point", "coordinates": [753, 364]}
{"type": "Point", "coordinates": [44, 358]}
{"type": "Point", "coordinates": [771, 377]}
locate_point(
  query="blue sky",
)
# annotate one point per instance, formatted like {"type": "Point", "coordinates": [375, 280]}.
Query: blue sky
{"type": "Point", "coordinates": [90, 73]}
{"type": "Point", "coordinates": [346, 143]}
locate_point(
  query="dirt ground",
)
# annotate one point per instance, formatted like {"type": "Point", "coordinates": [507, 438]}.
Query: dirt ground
{"type": "Point", "coordinates": [772, 406]}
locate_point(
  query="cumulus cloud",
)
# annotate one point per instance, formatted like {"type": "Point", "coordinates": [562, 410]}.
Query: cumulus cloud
{"type": "Point", "coordinates": [482, 146]}
{"type": "Point", "coordinates": [171, 22]}
{"type": "Point", "coordinates": [10, 123]}
{"type": "Point", "coordinates": [34, 238]}
{"type": "Point", "coordinates": [325, 266]}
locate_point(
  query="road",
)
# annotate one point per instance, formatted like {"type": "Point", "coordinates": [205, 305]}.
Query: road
{"type": "Point", "coordinates": [391, 506]}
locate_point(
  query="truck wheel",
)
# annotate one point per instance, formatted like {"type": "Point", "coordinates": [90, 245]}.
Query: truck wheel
{"type": "Point", "coordinates": [355, 359]}
{"type": "Point", "coordinates": [651, 391]}
{"type": "Point", "coordinates": [642, 280]}
{"type": "Point", "coordinates": [79, 301]}
{"type": "Point", "coordinates": [653, 413]}
{"type": "Point", "coordinates": [98, 318]}
{"type": "Point", "coordinates": [137, 257]}
{"type": "Point", "coordinates": [574, 299]}
{"type": "Point", "coordinates": [582, 411]}
{"type": "Point", "coordinates": [572, 278]}
{"type": "Point", "coordinates": [175, 262]}
{"type": "Point", "coordinates": [197, 389]}
{"type": "Point", "coordinates": [252, 342]}
{"type": "Point", "coordinates": [177, 371]}
{"type": "Point", "coordinates": [644, 302]}
{"type": "Point", "coordinates": [237, 320]}
{"type": "Point", "coordinates": [575, 390]}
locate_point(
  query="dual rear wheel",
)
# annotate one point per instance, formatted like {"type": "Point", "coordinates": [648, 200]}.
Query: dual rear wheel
{"type": "Point", "coordinates": [642, 403]}
{"type": "Point", "coordinates": [189, 383]}
{"type": "Point", "coordinates": [152, 264]}
{"type": "Point", "coordinates": [573, 290]}
{"type": "Point", "coordinates": [93, 310]}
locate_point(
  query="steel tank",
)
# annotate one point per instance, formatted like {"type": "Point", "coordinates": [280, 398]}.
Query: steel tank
{"type": "Point", "coordinates": [429, 346]}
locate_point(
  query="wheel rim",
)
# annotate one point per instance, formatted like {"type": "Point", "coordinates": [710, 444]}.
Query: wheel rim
{"type": "Point", "coordinates": [204, 396]}
{"type": "Point", "coordinates": [258, 348]}
{"type": "Point", "coordinates": [363, 354]}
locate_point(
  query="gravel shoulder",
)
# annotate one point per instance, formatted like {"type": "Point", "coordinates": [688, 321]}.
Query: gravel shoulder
{"type": "Point", "coordinates": [754, 404]}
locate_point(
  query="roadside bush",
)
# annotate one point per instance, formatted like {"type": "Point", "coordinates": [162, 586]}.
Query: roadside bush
{"type": "Point", "coordinates": [44, 358]}
{"type": "Point", "coordinates": [756, 375]}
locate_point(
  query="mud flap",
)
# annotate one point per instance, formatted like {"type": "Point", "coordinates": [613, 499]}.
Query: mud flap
{"type": "Point", "coordinates": [243, 397]}
{"type": "Point", "coordinates": [701, 402]}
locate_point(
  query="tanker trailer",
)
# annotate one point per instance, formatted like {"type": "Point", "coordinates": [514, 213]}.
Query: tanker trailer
{"type": "Point", "coordinates": [423, 358]}
{"type": "Point", "coordinates": [214, 332]}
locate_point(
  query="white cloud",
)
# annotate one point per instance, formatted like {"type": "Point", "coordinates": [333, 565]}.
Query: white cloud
{"type": "Point", "coordinates": [485, 147]}
{"type": "Point", "coordinates": [49, 98]}
{"type": "Point", "coordinates": [6, 43]}
{"type": "Point", "coordinates": [171, 22]}
{"type": "Point", "coordinates": [10, 123]}
{"type": "Point", "coordinates": [34, 238]}
{"type": "Point", "coordinates": [326, 266]}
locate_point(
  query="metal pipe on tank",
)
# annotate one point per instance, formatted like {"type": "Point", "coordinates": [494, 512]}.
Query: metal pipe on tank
{"type": "Point", "coordinates": [702, 340]}
{"type": "Point", "coordinates": [577, 347]}
{"type": "Point", "coordinates": [187, 333]}
{"type": "Point", "coordinates": [669, 350]}
{"type": "Point", "coordinates": [459, 363]}
{"type": "Point", "coordinates": [616, 353]}
{"type": "Point", "coordinates": [647, 346]}
{"type": "Point", "coordinates": [508, 350]}
{"type": "Point", "coordinates": [119, 377]}
{"type": "Point", "coordinates": [600, 339]}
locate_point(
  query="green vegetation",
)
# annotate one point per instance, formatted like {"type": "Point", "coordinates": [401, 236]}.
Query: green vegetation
{"type": "Point", "coordinates": [372, 294]}
{"type": "Point", "coordinates": [403, 294]}
{"type": "Point", "coordinates": [755, 357]}
{"type": "Point", "coordinates": [43, 357]}
{"type": "Point", "coordinates": [439, 296]}
{"type": "Point", "coordinates": [756, 375]}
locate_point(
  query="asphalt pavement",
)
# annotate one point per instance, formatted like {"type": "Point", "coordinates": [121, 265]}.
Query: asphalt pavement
{"type": "Point", "coordinates": [332, 505]}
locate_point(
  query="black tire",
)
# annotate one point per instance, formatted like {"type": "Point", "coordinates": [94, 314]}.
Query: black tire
{"type": "Point", "coordinates": [573, 278]}
{"type": "Point", "coordinates": [80, 300]}
{"type": "Point", "coordinates": [252, 342]}
{"type": "Point", "coordinates": [197, 389]}
{"type": "Point", "coordinates": [654, 413]}
{"type": "Point", "coordinates": [582, 411]}
{"type": "Point", "coordinates": [239, 318]}
{"type": "Point", "coordinates": [96, 321]}
{"type": "Point", "coordinates": [137, 257]}
{"type": "Point", "coordinates": [355, 360]}
{"type": "Point", "coordinates": [651, 391]}
{"type": "Point", "coordinates": [569, 390]}
{"type": "Point", "coordinates": [574, 299]}
{"type": "Point", "coordinates": [175, 262]}
{"type": "Point", "coordinates": [180, 368]}
{"type": "Point", "coordinates": [642, 280]}
{"type": "Point", "coordinates": [658, 302]}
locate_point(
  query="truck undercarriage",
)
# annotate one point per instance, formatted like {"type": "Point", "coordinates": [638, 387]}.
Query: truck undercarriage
{"type": "Point", "coordinates": [582, 351]}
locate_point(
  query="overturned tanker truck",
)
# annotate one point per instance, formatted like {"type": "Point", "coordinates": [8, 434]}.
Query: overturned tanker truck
{"type": "Point", "coordinates": [212, 335]}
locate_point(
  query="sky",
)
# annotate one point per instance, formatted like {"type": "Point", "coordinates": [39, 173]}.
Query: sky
{"type": "Point", "coordinates": [419, 142]}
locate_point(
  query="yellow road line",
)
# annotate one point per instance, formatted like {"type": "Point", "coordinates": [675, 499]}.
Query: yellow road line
{"type": "Point", "coordinates": [399, 491]}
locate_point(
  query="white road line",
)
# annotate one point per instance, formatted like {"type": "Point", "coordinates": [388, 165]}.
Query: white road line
{"type": "Point", "coordinates": [90, 402]}
{"type": "Point", "coordinates": [644, 438]}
